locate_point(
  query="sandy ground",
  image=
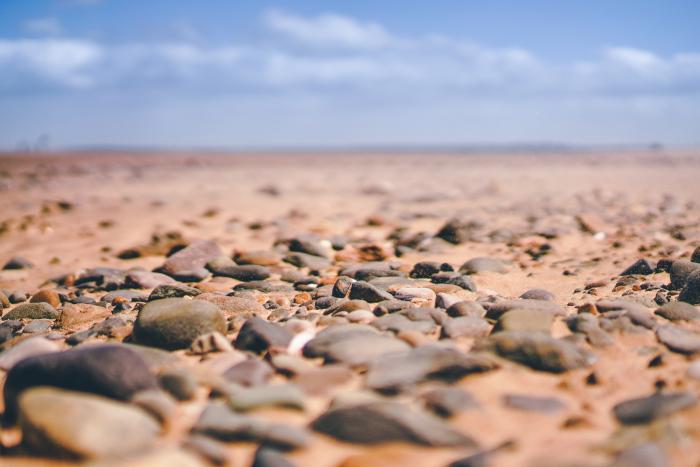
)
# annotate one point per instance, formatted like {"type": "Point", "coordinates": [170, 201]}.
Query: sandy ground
{"type": "Point", "coordinates": [641, 200]}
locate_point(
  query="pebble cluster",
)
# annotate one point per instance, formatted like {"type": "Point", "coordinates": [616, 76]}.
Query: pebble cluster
{"type": "Point", "coordinates": [366, 347]}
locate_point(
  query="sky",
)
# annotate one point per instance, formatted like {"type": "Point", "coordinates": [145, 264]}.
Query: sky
{"type": "Point", "coordinates": [311, 73]}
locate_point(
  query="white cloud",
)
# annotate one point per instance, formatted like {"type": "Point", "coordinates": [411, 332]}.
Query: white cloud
{"type": "Point", "coordinates": [43, 26]}
{"type": "Point", "coordinates": [328, 30]}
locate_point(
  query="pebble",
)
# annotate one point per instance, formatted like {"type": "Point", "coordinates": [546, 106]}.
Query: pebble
{"type": "Point", "coordinates": [679, 339]}
{"type": "Point", "coordinates": [288, 396]}
{"type": "Point", "coordinates": [17, 262]}
{"type": "Point", "coordinates": [536, 350]}
{"type": "Point", "coordinates": [266, 457]}
{"type": "Point", "coordinates": [464, 326]}
{"type": "Point", "coordinates": [26, 348]}
{"type": "Point", "coordinates": [258, 335]}
{"type": "Point", "coordinates": [141, 279]}
{"type": "Point", "coordinates": [680, 270]}
{"type": "Point", "coordinates": [75, 317]}
{"type": "Point", "coordinates": [74, 425]}
{"type": "Point", "coordinates": [538, 294]}
{"type": "Point", "coordinates": [448, 401]}
{"type": "Point", "coordinates": [361, 290]}
{"type": "Point", "coordinates": [640, 267]}
{"type": "Point", "coordinates": [691, 290]}
{"type": "Point", "coordinates": [174, 323]}
{"type": "Point", "coordinates": [172, 291]}
{"type": "Point", "coordinates": [49, 296]}
{"type": "Point", "coordinates": [179, 383]}
{"type": "Point", "coordinates": [647, 409]}
{"type": "Point", "coordinates": [533, 403]}
{"type": "Point", "coordinates": [678, 311]}
{"type": "Point", "coordinates": [32, 311]}
{"type": "Point", "coordinates": [483, 264]}
{"type": "Point", "coordinates": [250, 372]}
{"type": "Point", "coordinates": [210, 342]}
{"type": "Point", "coordinates": [110, 370]}
{"type": "Point", "coordinates": [245, 273]}
{"type": "Point", "coordinates": [382, 422]}
{"type": "Point", "coordinates": [232, 305]}
{"type": "Point", "coordinates": [465, 308]}
{"type": "Point", "coordinates": [525, 320]}
{"type": "Point", "coordinates": [190, 261]}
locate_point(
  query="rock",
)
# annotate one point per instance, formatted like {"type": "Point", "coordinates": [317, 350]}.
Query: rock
{"type": "Point", "coordinates": [265, 457]}
{"type": "Point", "coordinates": [465, 308]}
{"type": "Point", "coordinates": [37, 326]}
{"type": "Point", "coordinates": [680, 270]}
{"type": "Point", "coordinates": [494, 310]}
{"type": "Point", "coordinates": [341, 287]}
{"type": "Point", "coordinates": [280, 395]}
{"type": "Point", "coordinates": [158, 404]}
{"type": "Point", "coordinates": [642, 267]}
{"type": "Point", "coordinates": [678, 311]}
{"type": "Point", "coordinates": [538, 294]}
{"type": "Point", "coordinates": [258, 335]}
{"type": "Point", "coordinates": [191, 259]}
{"type": "Point", "coordinates": [526, 320]}
{"type": "Point", "coordinates": [425, 269]}
{"type": "Point", "coordinates": [73, 425]}
{"type": "Point", "coordinates": [128, 295]}
{"type": "Point", "coordinates": [26, 348]}
{"type": "Point", "coordinates": [483, 264]}
{"type": "Point", "coordinates": [538, 351]}
{"type": "Point", "coordinates": [397, 371]}
{"type": "Point", "coordinates": [32, 311]}
{"type": "Point", "coordinates": [382, 422]}
{"type": "Point", "coordinates": [250, 372]}
{"type": "Point", "coordinates": [647, 409]}
{"type": "Point", "coordinates": [691, 291]}
{"type": "Point", "coordinates": [589, 325]}
{"type": "Point", "coordinates": [532, 403]}
{"type": "Point", "coordinates": [231, 305]}
{"type": "Point", "coordinates": [464, 326]}
{"type": "Point", "coordinates": [174, 323]}
{"type": "Point", "coordinates": [647, 454]}
{"type": "Point", "coordinates": [178, 382]}
{"type": "Point", "coordinates": [359, 350]}
{"type": "Point", "coordinates": [245, 273]}
{"type": "Point", "coordinates": [210, 342]}
{"type": "Point", "coordinates": [109, 370]}
{"type": "Point", "coordinates": [17, 262]}
{"type": "Point", "coordinates": [172, 291]}
{"type": "Point", "coordinates": [458, 231]}
{"type": "Point", "coordinates": [261, 258]}
{"type": "Point", "coordinates": [361, 290]}
{"type": "Point", "coordinates": [323, 380]}
{"type": "Point", "coordinates": [219, 422]}
{"type": "Point", "coordinates": [140, 279]}
{"type": "Point", "coordinates": [213, 451]}
{"type": "Point", "coordinates": [448, 401]}
{"type": "Point", "coordinates": [309, 244]}
{"type": "Point", "coordinates": [454, 278]}
{"type": "Point", "coordinates": [75, 317]}
{"type": "Point", "coordinates": [49, 296]}
{"type": "Point", "coordinates": [304, 260]}
{"type": "Point", "coordinates": [398, 323]}
{"type": "Point", "coordinates": [679, 339]}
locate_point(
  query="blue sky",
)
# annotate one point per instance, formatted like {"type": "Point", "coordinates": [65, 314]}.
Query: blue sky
{"type": "Point", "coordinates": [336, 73]}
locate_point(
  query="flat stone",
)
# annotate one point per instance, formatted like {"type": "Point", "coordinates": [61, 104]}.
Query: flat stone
{"type": "Point", "coordinates": [191, 258]}
{"type": "Point", "coordinates": [465, 326]}
{"type": "Point", "coordinates": [647, 409]}
{"type": "Point", "coordinates": [465, 308]}
{"type": "Point", "coordinates": [49, 296]}
{"type": "Point", "coordinates": [382, 422]}
{"type": "Point", "coordinates": [280, 395]}
{"type": "Point", "coordinates": [538, 294]}
{"type": "Point", "coordinates": [678, 311]}
{"type": "Point", "coordinates": [172, 291]}
{"type": "Point", "coordinates": [110, 370]}
{"type": "Point", "coordinates": [32, 311]}
{"type": "Point", "coordinates": [260, 257]}
{"type": "Point", "coordinates": [80, 316]}
{"type": "Point", "coordinates": [304, 260]}
{"type": "Point", "coordinates": [397, 323]}
{"type": "Point", "coordinates": [141, 279]}
{"type": "Point", "coordinates": [526, 320]}
{"type": "Point", "coordinates": [641, 267]}
{"type": "Point", "coordinates": [17, 262]}
{"type": "Point", "coordinates": [588, 325]}
{"type": "Point", "coordinates": [361, 290]}
{"type": "Point", "coordinates": [26, 348]}
{"type": "Point", "coordinates": [174, 323]}
{"type": "Point", "coordinates": [448, 401]}
{"type": "Point", "coordinates": [483, 264]}
{"type": "Point", "coordinates": [679, 339]}
{"type": "Point", "coordinates": [266, 457]}
{"type": "Point", "coordinates": [494, 310]}
{"type": "Point", "coordinates": [647, 454]}
{"type": "Point", "coordinates": [231, 305]}
{"type": "Point", "coordinates": [454, 278]}
{"type": "Point", "coordinates": [74, 425]}
{"type": "Point", "coordinates": [220, 422]}
{"type": "Point", "coordinates": [536, 350]}
{"type": "Point", "coordinates": [398, 371]}
{"type": "Point", "coordinates": [250, 372]}
{"type": "Point", "coordinates": [533, 403]}
{"type": "Point", "coordinates": [245, 273]}
{"type": "Point", "coordinates": [258, 335]}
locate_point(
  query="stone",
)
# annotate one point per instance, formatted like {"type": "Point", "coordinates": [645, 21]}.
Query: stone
{"type": "Point", "coordinates": [266, 457]}
{"type": "Point", "coordinates": [159, 404]}
{"type": "Point", "coordinates": [110, 370]}
{"type": "Point", "coordinates": [304, 260]}
{"type": "Point", "coordinates": [421, 294]}
{"type": "Point", "coordinates": [141, 279]}
{"type": "Point", "coordinates": [525, 320]}
{"type": "Point", "coordinates": [642, 267]}
{"type": "Point", "coordinates": [213, 451]}
{"type": "Point", "coordinates": [454, 278]}
{"type": "Point", "coordinates": [483, 264]}
{"type": "Point", "coordinates": [26, 348]}
{"type": "Point", "coordinates": [258, 335]}
{"type": "Point", "coordinates": [37, 326]}
{"type": "Point", "coordinates": [494, 310]}
{"type": "Point", "coordinates": [448, 401]}
{"type": "Point", "coordinates": [361, 290]}
{"type": "Point", "coordinates": [191, 259]}
{"type": "Point", "coordinates": [75, 317]}
{"type": "Point", "coordinates": [32, 311]}
{"type": "Point", "coordinates": [172, 291]}
{"type": "Point", "coordinates": [533, 403]}
{"type": "Point", "coordinates": [398, 371]}
{"type": "Point", "coordinates": [588, 324]}
{"type": "Point", "coordinates": [691, 290]}
{"type": "Point", "coordinates": [425, 269]}
{"type": "Point", "coordinates": [647, 454]}
{"type": "Point", "coordinates": [464, 326]}
{"type": "Point", "coordinates": [245, 273]}
{"type": "Point", "coordinates": [174, 323]}
{"type": "Point", "coordinates": [220, 422]}
{"type": "Point", "coordinates": [680, 270]}
{"type": "Point", "coordinates": [382, 422]}
{"type": "Point", "coordinates": [250, 372]}
{"type": "Point", "coordinates": [260, 257]}
{"type": "Point", "coordinates": [538, 294]}
{"type": "Point", "coordinates": [323, 380]}
{"type": "Point", "coordinates": [309, 244]}
{"type": "Point", "coordinates": [647, 409]}
{"type": "Point", "coordinates": [399, 323]}
{"type": "Point", "coordinates": [73, 425]}
{"type": "Point", "coordinates": [341, 287]}
{"type": "Point", "coordinates": [17, 262]}
{"type": "Point", "coordinates": [280, 395]}
{"type": "Point", "coordinates": [679, 339]}
{"type": "Point", "coordinates": [49, 296]}
{"type": "Point", "coordinates": [678, 311]}
{"type": "Point", "coordinates": [210, 342]}
{"type": "Point", "coordinates": [357, 351]}
{"type": "Point", "coordinates": [128, 295]}
{"type": "Point", "coordinates": [231, 305]}
{"type": "Point", "coordinates": [464, 308]}
{"type": "Point", "coordinates": [536, 350]}
{"type": "Point", "coordinates": [458, 231]}
{"type": "Point", "coordinates": [178, 382]}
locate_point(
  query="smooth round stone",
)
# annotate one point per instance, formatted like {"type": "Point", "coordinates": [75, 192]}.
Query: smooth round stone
{"type": "Point", "coordinates": [258, 335]}
{"type": "Point", "coordinates": [179, 382]}
{"type": "Point", "coordinates": [691, 290]}
{"type": "Point", "coordinates": [465, 308]}
{"type": "Point", "coordinates": [680, 270]}
{"type": "Point", "coordinates": [679, 339]}
{"type": "Point", "coordinates": [464, 326]}
{"type": "Point", "coordinates": [538, 294]}
{"type": "Point", "coordinates": [174, 323]}
{"type": "Point", "coordinates": [647, 409]}
{"type": "Point", "coordinates": [26, 348]}
{"type": "Point", "coordinates": [678, 311]}
{"type": "Point", "coordinates": [448, 401]}
{"type": "Point", "coordinates": [111, 370]}
{"type": "Point", "coordinates": [32, 311]}
{"type": "Point", "coordinates": [483, 264]}
{"type": "Point", "coordinates": [250, 372]}
{"type": "Point", "coordinates": [73, 425]}
{"type": "Point", "coordinates": [47, 296]}
{"type": "Point", "coordinates": [413, 293]}
{"type": "Point", "coordinates": [525, 320]}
